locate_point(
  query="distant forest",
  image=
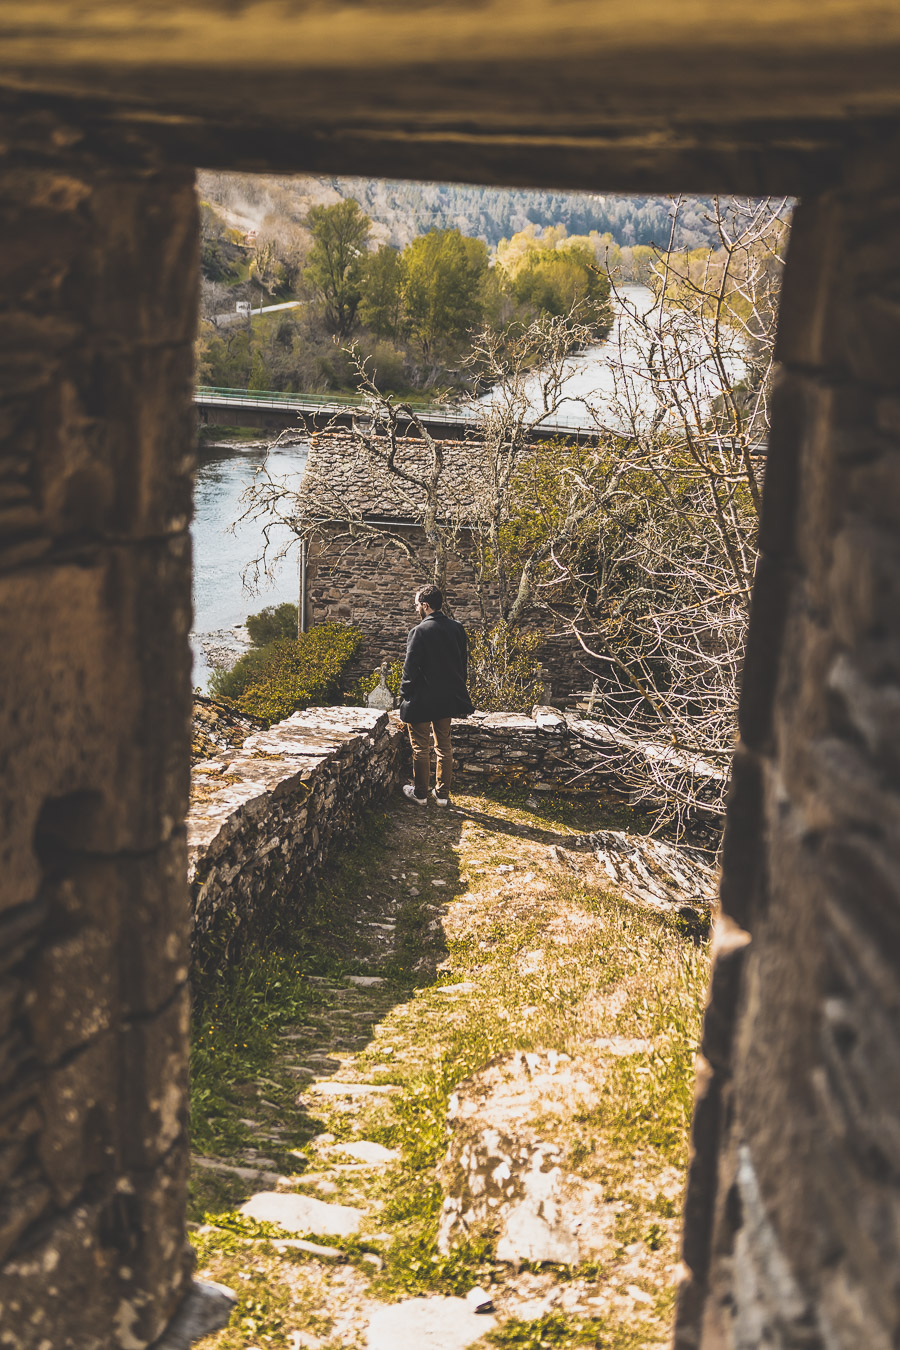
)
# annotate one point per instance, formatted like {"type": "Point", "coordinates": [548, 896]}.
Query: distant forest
{"type": "Point", "coordinates": [404, 210]}
{"type": "Point", "coordinates": [492, 214]}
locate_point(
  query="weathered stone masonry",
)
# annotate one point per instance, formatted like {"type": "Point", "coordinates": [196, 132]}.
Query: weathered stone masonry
{"type": "Point", "coordinates": [793, 1213]}
{"type": "Point", "coordinates": [265, 815]}
{"type": "Point", "coordinates": [792, 1236]}
{"type": "Point", "coordinates": [98, 303]}
{"type": "Point", "coordinates": [263, 818]}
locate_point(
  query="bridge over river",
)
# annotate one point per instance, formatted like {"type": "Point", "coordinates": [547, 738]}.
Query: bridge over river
{"type": "Point", "coordinates": [270, 411]}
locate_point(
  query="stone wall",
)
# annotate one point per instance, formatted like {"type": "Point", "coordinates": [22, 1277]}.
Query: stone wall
{"type": "Point", "coordinates": [264, 817]}
{"type": "Point", "coordinates": [371, 586]}
{"type": "Point", "coordinates": [793, 1209]}
{"type": "Point", "coordinates": [98, 295]}
{"type": "Point", "coordinates": [265, 814]}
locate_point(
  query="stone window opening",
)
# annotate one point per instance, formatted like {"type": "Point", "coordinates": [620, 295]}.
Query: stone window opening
{"type": "Point", "coordinates": [791, 1207]}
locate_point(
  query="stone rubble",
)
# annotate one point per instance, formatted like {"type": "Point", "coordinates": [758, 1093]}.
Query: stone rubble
{"type": "Point", "coordinates": [302, 1213]}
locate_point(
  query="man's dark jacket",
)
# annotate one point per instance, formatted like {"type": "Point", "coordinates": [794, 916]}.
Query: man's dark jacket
{"type": "Point", "coordinates": [434, 672]}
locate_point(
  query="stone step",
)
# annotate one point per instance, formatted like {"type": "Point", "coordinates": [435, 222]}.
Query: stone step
{"type": "Point", "coordinates": [302, 1213]}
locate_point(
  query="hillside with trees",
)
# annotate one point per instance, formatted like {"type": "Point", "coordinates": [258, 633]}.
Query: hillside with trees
{"type": "Point", "coordinates": [410, 312]}
{"type": "Point", "coordinates": [401, 211]}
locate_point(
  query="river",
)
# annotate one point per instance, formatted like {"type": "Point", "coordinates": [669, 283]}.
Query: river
{"type": "Point", "coordinates": [221, 600]}
{"type": "Point", "coordinates": [607, 385]}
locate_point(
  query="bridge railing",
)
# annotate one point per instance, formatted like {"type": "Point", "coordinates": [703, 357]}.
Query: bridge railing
{"type": "Point", "coordinates": [303, 401]}
{"type": "Point", "coordinates": [338, 403]}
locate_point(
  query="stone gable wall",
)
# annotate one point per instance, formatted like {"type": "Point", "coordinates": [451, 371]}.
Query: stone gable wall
{"type": "Point", "coordinates": [371, 586]}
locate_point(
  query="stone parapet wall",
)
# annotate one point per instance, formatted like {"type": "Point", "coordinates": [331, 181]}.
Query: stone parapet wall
{"type": "Point", "coordinates": [553, 751]}
{"type": "Point", "coordinates": [547, 752]}
{"type": "Point", "coordinates": [264, 817]}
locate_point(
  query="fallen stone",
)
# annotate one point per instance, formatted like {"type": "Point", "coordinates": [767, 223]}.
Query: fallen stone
{"type": "Point", "coordinates": [245, 1173]}
{"type": "Point", "coordinates": [639, 1295]}
{"type": "Point", "coordinates": [365, 1150]}
{"type": "Point", "coordinates": [302, 1213]}
{"type": "Point", "coordinates": [312, 1248]}
{"type": "Point", "coordinates": [622, 1045]}
{"type": "Point", "coordinates": [206, 1308]}
{"type": "Point", "coordinates": [655, 872]}
{"type": "Point", "coordinates": [479, 1300]}
{"type": "Point", "coordinates": [366, 981]}
{"type": "Point", "coordinates": [427, 1324]}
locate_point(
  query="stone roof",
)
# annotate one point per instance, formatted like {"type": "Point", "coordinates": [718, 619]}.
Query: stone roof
{"type": "Point", "coordinates": [342, 475]}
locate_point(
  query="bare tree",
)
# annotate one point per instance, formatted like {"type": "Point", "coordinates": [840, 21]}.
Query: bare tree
{"type": "Point", "coordinates": [657, 592]}
{"type": "Point", "coordinates": [640, 542]}
{"type": "Point", "coordinates": [459, 494]}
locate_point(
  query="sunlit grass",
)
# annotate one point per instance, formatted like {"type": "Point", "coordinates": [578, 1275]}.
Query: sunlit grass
{"type": "Point", "coordinates": [555, 964]}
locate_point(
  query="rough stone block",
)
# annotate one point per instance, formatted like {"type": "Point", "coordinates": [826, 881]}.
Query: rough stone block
{"type": "Point", "coordinates": [79, 1102]}
{"type": "Point", "coordinates": [103, 663]}
{"type": "Point", "coordinates": [152, 1077]}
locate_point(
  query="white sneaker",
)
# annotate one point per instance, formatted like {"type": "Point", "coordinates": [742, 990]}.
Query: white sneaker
{"type": "Point", "coordinates": [440, 801]}
{"type": "Point", "coordinates": [410, 792]}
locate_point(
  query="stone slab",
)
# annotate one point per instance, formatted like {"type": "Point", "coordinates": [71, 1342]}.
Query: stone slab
{"type": "Point", "coordinates": [367, 1151]}
{"type": "Point", "coordinates": [428, 1324]}
{"type": "Point", "coordinates": [302, 1213]}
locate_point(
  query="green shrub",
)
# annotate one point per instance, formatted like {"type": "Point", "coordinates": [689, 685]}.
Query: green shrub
{"type": "Point", "coordinates": [292, 673]}
{"type": "Point", "coordinates": [504, 672]}
{"type": "Point", "coordinates": [272, 623]}
{"type": "Point", "coordinates": [230, 684]}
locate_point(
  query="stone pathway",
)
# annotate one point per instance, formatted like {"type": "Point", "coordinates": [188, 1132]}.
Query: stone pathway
{"type": "Point", "coordinates": [464, 1142]}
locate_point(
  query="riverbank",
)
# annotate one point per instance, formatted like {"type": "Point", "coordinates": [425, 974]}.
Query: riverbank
{"type": "Point", "coordinates": [224, 546]}
{"type": "Point", "coordinates": [474, 964]}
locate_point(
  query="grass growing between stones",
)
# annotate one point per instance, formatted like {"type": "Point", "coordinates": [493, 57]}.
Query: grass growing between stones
{"type": "Point", "coordinates": [492, 933]}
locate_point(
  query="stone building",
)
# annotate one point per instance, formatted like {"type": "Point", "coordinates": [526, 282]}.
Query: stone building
{"type": "Point", "coordinates": [792, 1232]}
{"type": "Point", "coordinates": [370, 552]}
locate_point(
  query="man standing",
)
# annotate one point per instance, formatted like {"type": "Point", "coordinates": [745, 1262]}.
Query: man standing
{"type": "Point", "coordinates": [432, 691]}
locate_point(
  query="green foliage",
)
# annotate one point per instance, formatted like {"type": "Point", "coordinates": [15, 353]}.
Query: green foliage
{"type": "Point", "coordinates": [272, 623]}
{"type": "Point", "coordinates": [230, 684]}
{"type": "Point", "coordinates": [551, 274]}
{"type": "Point", "coordinates": [336, 260]}
{"type": "Point", "coordinates": [290, 673]}
{"type": "Point", "coordinates": [551, 1330]}
{"type": "Point", "coordinates": [414, 1266]}
{"type": "Point", "coordinates": [647, 1099]}
{"type": "Point", "coordinates": [504, 672]}
{"type": "Point", "coordinates": [444, 273]}
{"type": "Point", "coordinates": [381, 308]}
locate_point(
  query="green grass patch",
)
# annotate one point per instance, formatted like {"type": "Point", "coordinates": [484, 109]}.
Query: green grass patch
{"type": "Point", "coordinates": [548, 1332]}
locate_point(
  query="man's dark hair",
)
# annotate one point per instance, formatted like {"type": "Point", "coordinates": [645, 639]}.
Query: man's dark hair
{"type": "Point", "coordinates": [430, 595]}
